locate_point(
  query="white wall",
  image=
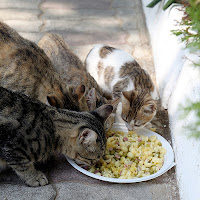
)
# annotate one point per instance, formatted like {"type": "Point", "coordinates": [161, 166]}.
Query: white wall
{"type": "Point", "coordinates": [177, 82]}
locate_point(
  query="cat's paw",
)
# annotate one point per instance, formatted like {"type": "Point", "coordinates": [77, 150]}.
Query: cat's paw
{"type": "Point", "coordinates": [3, 165]}
{"type": "Point", "coordinates": [39, 180]}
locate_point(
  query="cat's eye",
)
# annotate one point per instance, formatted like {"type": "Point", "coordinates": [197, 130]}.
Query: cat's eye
{"type": "Point", "coordinates": [125, 119]}
{"type": "Point", "coordinates": [137, 125]}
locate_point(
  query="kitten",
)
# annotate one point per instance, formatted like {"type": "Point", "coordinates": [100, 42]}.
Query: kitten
{"type": "Point", "coordinates": [73, 72]}
{"type": "Point", "coordinates": [24, 67]}
{"type": "Point", "coordinates": [119, 74]}
{"type": "Point", "coordinates": [31, 131]}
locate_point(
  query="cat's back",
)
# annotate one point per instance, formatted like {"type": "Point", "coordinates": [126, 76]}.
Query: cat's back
{"type": "Point", "coordinates": [19, 50]}
{"type": "Point", "coordinates": [20, 114]}
{"type": "Point", "coordinates": [110, 67]}
{"type": "Point", "coordinates": [26, 127]}
{"type": "Point", "coordinates": [15, 46]}
{"type": "Point", "coordinates": [101, 57]}
{"type": "Point", "coordinates": [65, 62]}
{"type": "Point", "coordinates": [60, 54]}
{"type": "Point", "coordinates": [15, 104]}
{"type": "Point", "coordinates": [24, 67]}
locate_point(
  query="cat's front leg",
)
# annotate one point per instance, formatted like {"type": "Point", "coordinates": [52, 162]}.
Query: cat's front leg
{"type": "Point", "coordinates": [3, 165]}
{"type": "Point", "coordinates": [30, 175]}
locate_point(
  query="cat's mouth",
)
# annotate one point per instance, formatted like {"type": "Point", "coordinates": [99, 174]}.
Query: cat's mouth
{"type": "Point", "coordinates": [83, 162]}
{"type": "Point", "coordinates": [133, 128]}
{"type": "Point", "coordinates": [83, 165]}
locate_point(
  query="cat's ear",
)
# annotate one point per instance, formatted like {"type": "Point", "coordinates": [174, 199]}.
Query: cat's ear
{"type": "Point", "coordinates": [79, 91]}
{"type": "Point", "coordinates": [129, 95]}
{"type": "Point", "coordinates": [80, 95]}
{"type": "Point", "coordinates": [76, 91]}
{"type": "Point", "coordinates": [87, 137]}
{"type": "Point", "coordinates": [91, 99]}
{"type": "Point", "coordinates": [103, 111]}
{"type": "Point", "coordinates": [54, 101]}
{"type": "Point", "coordinates": [149, 108]}
{"type": "Point", "coordinates": [126, 97]}
{"type": "Point", "coordinates": [115, 102]}
{"type": "Point", "coordinates": [109, 122]}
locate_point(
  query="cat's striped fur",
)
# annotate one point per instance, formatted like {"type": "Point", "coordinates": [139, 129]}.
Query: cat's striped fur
{"type": "Point", "coordinates": [70, 67]}
{"type": "Point", "coordinates": [31, 131]}
{"type": "Point", "coordinates": [73, 72]}
{"type": "Point", "coordinates": [119, 74]}
{"type": "Point", "coordinates": [24, 67]}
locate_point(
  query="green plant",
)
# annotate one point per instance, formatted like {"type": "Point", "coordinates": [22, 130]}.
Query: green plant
{"type": "Point", "coordinates": [190, 26]}
{"type": "Point", "coordinates": [194, 128]}
{"type": "Point", "coordinates": [166, 5]}
{"type": "Point", "coordinates": [189, 32]}
{"type": "Point", "coordinates": [153, 3]}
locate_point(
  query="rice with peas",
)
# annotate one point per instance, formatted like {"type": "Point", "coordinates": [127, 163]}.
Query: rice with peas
{"type": "Point", "coordinates": [129, 155]}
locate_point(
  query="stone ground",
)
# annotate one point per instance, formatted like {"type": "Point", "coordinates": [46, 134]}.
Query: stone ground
{"type": "Point", "coordinates": [84, 23]}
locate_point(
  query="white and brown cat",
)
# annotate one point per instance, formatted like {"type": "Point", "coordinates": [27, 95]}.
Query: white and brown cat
{"type": "Point", "coordinates": [117, 73]}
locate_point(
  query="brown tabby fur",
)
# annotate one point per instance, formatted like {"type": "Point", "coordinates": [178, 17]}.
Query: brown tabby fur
{"type": "Point", "coordinates": [66, 63]}
{"type": "Point", "coordinates": [73, 72]}
{"type": "Point", "coordinates": [31, 131]}
{"type": "Point", "coordinates": [24, 67]}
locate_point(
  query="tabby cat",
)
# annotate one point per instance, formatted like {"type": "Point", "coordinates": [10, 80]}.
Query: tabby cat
{"type": "Point", "coordinates": [24, 67]}
{"type": "Point", "coordinates": [119, 74]}
{"type": "Point", "coordinates": [73, 72]}
{"type": "Point", "coordinates": [31, 131]}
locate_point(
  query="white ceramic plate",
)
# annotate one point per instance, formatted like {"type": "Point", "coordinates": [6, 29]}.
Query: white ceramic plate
{"type": "Point", "coordinates": [168, 163]}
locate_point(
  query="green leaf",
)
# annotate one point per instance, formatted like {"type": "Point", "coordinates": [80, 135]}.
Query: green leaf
{"type": "Point", "coordinates": [168, 4]}
{"type": "Point", "coordinates": [153, 3]}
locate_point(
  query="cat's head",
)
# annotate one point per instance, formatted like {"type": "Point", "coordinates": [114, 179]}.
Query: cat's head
{"type": "Point", "coordinates": [71, 98]}
{"type": "Point", "coordinates": [91, 139]}
{"type": "Point", "coordinates": [95, 100]}
{"type": "Point", "coordinates": [138, 108]}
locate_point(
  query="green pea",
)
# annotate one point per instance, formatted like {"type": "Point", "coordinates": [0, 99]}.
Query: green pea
{"type": "Point", "coordinates": [116, 135]}
{"type": "Point", "coordinates": [159, 143]}
{"type": "Point", "coordinates": [142, 142]}
{"type": "Point", "coordinates": [152, 170]}
{"type": "Point", "coordinates": [125, 154]}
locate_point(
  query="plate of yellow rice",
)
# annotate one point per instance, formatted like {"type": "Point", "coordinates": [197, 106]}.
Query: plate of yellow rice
{"type": "Point", "coordinates": [131, 156]}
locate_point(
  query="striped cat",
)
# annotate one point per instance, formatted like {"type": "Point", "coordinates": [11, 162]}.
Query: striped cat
{"type": "Point", "coordinates": [73, 72]}
{"type": "Point", "coordinates": [31, 131]}
{"type": "Point", "coordinates": [24, 67]}
{"type": "Point", "coordinates": [119, 74]}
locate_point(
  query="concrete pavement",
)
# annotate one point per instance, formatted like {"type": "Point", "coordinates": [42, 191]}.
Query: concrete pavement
{"type": "Point", "coordinates": [83, 24]}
